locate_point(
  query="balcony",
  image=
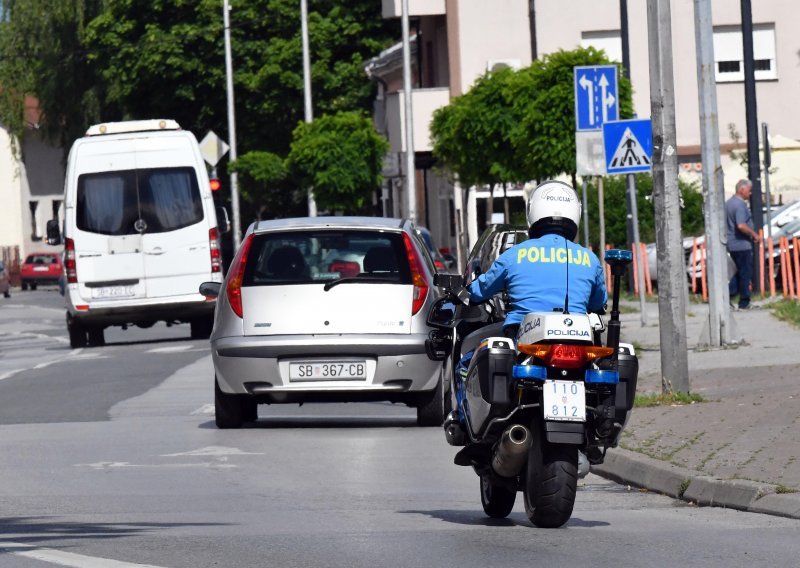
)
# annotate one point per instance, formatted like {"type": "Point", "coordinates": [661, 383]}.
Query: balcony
{"type": "Point", "coordinates": [394, 8]}
{"type": "Point", "coordinates": [424, 103]}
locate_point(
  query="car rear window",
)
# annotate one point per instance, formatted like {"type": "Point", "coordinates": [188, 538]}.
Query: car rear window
{"type": "Point", "coordinates": [40, 259]}
{"type": "Point", "coordinates": [309, 257]}
{"type": "Point", "coordinates": [127, 202]}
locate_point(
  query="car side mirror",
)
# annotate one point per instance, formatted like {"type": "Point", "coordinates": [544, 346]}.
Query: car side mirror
{"type": "Point", "coordinates": [442, 314]}
{"type": "Point", "coordinates": [223, 221]}
{"type": "Point", "coordinates": [210, 289]}
{"type": "Point", "coordinates": [53, 233]}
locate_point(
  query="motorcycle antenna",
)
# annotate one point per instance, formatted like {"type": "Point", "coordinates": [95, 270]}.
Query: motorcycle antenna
{"type": "Point", "coordinates": [566, 294]}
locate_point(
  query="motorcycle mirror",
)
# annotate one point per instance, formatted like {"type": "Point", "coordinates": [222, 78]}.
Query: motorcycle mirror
{"type": "Point", "coordinates": [442, 314]}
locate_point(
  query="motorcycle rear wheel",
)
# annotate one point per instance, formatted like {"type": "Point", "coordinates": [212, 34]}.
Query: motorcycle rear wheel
{"type": "Point", "coordinates": [497, 501]}
{"type": "Point", "coordinates": [551, 481]}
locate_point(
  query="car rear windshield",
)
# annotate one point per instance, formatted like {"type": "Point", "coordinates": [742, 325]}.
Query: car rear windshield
{"type": "Point", "coordinates": [309, 257]}
{"type": "Point", "coordinates": [127, 202]}
{"type": "Point", "coordinates": [40, 259]}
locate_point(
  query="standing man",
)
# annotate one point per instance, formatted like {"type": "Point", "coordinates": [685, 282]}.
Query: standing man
{"type": "Point", "coordinates": [741, 236]}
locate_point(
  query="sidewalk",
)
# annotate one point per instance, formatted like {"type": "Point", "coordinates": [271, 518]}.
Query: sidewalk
{"type": "Point", "coordinates": [741, 447]}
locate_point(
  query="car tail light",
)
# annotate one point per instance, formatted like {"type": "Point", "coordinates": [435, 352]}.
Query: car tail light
{"type": "Point", "coordinates": [70, 266]}
{"type": "Point", "coordinates": [565, 356]}
{"type": "Point", "coordinates": [213, 243]}
{"type": "Point", "coordinates": [438, 264]}
{"type": "Point", "coordinates": [417, 276]}
{"type": "Point", "coordinates": [345, 268]}
{"type": "Point", "coordinates": [236, 276]}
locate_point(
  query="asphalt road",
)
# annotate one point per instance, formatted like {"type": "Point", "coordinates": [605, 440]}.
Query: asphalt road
{"type": "Point", "coordinates": [109, 458]}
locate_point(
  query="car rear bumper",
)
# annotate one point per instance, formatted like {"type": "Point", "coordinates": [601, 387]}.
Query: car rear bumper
{"type": "Point", "coordinates": [397, 366]}
{"type": "Point", "coordinates": [143, 311]}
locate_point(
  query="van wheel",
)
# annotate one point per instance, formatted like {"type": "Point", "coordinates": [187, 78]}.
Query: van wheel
{"type": "Point", "coordinates": [77, 334]}
{"type": "Point", "coordinates": [96, 337]}
{"type": "Point", "coordinates": [229, 409]}
{"type": "Point", "coordinates": [33, 285]}
{"type": "Point", "coordinates": [201, 328]}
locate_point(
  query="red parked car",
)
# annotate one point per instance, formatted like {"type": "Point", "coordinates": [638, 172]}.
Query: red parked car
{"type": "Point", "coordinates": [41, 268]}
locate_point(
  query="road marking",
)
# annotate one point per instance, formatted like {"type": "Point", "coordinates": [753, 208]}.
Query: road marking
{"type": "Point", "coordinates": [66, 558]}
{"type": "Point", "coordinates": [10, 373]}
{"type": "Point", "coordinates": [214, 451]}
{"type": "Point", "coordinates": [170, 349]}
{"type": "Point", "coordinates": [205, 410]}
{"type": "Point", "coordinates": [128, 465]}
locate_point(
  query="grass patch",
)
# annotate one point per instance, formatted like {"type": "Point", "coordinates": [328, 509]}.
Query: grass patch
{"type": "Point", "coordinates": [666, 399]}
{"type": "Point", "coordinates": [784, 489]}
{"type": "Point", "coordinates": [787, 310]}
{"type": "Point", "coordinates": [684, 486]}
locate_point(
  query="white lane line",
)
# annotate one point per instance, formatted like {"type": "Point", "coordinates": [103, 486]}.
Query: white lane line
{"type": "Point", "coordinates": [171, 349]}
{"type": "Point", "coordinates": [214, 451]}
{"type": "Point", "coordinates": [128, 465]}
{"type": "Point", "coordinates": [10, 373]}
{"type": "Point", "coordinates": [205, 410]}
{"type": "Point", "coordinates": [62, 558]}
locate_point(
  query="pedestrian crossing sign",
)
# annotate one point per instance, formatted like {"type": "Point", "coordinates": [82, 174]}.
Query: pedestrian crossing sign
{"type": "Point", "coordinates": [628, 145]}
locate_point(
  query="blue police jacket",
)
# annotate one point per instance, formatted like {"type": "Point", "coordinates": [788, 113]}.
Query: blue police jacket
{"type": "Point", "coordinates": [535, 274]}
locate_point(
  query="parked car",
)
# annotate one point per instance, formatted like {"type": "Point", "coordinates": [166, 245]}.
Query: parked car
{"type": "Point", "coordinates": [326, 309]}
{"type": "Point", "coordinates": [441, 263]}
{"type": "Point", "coordinates": [5, 280]}
{"type": "Point", "coordinates": [694, 268]}
{"type": "Point", "coordinates": [40, 268]}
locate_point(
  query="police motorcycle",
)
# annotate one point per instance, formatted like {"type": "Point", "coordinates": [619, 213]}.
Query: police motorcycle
{"type": "Point", "coordinates": [524, 411]}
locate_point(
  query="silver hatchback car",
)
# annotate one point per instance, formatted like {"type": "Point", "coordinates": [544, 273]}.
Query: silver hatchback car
{"type": "Point", "coordinates": [326, 309]}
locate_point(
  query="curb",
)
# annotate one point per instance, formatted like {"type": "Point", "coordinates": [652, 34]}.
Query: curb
{"type": "Point", "coordinates": [624, 466]}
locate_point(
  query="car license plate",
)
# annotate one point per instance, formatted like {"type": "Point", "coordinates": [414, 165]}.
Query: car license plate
{"type": "Point", "coordinates": [114, 292]}
{"type": "Point", "coordinates": [328, 371]}
{"type": "Point", "coordinates": [564, 401]}
{"type": "Point", "coordinates": [39, 268]}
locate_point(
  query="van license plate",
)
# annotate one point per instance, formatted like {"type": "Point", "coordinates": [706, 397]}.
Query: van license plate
{"type": "Point", "coordinates": [564, 401]}
{"type": "Point", "coordinates": [328, 371]}
{"type": "Point", "coordinates": [114, 292]}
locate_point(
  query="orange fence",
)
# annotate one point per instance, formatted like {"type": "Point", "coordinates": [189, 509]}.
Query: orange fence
{"type": "Point", "coordinates": [779, 259]}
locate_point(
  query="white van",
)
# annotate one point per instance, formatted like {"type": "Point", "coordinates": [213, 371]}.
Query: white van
{"type": "Point", "coordinates": [140, 230]}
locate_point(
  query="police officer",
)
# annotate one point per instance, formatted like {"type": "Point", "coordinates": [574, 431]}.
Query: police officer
{"type": "Point", "coordinates": [548, 272]}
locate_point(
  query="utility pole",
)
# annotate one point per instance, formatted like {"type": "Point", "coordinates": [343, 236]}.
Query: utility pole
{"type": "Point", "coordinates": [411, 186]}
{"type": "Point", "coordinates": [666, 198]}
{"type": "Point", "coordinates": [632, 224]}
{"type": "Point", "coordinates": [751, 114]}
{"type": "Point", "coordinates": [237, 224]}
{"type": "Point", "coordinates": [713, 191]}
{"type": "Point", "coordinates": [309, 113]}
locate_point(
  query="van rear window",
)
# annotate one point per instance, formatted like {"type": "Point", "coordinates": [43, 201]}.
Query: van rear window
{"type": "Point", "coordinates": [127, 202]}
{"type": "Point", "coordinates": [310, 257]}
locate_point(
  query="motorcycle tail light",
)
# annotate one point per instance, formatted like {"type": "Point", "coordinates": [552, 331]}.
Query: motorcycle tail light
{"type": "Point", "coordinates": [417, 276]}
{"type": "Point", "coordinates": [566, 356]}
{"type": "Point", "coordinates": [236, 277]}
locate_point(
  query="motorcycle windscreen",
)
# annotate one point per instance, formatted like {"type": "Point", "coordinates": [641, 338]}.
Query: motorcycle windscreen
{"type": "Point", "coordinates": [309, 309]}
{"type": "Point", "coordinates": [327, 281]}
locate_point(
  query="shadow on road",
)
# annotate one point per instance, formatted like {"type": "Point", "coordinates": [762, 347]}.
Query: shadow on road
{"type": "Point", "coordinates": [325, 422]}
{"type": "Point", "coordinates": [473, 518]}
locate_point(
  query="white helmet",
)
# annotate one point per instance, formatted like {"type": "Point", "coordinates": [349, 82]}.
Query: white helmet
{"type": "Point", "coordinates": [553, 207]}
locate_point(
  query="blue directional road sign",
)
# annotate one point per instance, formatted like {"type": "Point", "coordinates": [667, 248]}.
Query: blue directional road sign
{"type": "Point", "coordinates": [596, 98]}
{"type": "Point", "coordinates": [628, 145]}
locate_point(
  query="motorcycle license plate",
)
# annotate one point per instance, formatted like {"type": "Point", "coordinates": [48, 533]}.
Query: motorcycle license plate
{"type": "Point", "coordinates": [328, 371]}
{"type": "Point", "coordinates": [564, 401]}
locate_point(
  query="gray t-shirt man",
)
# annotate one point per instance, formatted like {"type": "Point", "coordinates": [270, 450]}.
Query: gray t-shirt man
{"type": "Point", "coordinates": [737, 213]}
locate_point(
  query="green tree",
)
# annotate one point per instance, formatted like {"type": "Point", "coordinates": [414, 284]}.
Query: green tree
{"type": "Point", "coordinates": [341, 157]}
{"type": "Point", "coordinates": [614, 191]}
{"type": "Point", "coordinates": [41, 55]}
{"type": "Point", "coordinates": [264, 184]}
{"type": "Point", "coordinates": [544, 101]}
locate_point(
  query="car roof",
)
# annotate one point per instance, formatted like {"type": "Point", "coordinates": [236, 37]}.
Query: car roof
{"type": "Point", "coordinates": [327, 222]}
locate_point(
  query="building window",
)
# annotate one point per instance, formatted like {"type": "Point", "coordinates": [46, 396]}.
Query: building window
{"type": "Point", "coordinates": [608, 41]}
{"type": "Point", "coordinates": [35, 235]}
{"type": "Point", "coordinates": [729, 53]}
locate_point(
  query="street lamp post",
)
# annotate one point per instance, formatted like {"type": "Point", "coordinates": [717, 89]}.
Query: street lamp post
{"type": "Point", "coordinates": [309, 113]}
{"type": "Point", "coordinates": [411, 186]}
{"type": "Point", "coordinates": [237, 225]}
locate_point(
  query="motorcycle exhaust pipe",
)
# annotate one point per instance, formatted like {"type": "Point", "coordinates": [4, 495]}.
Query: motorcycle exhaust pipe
{"type": "Point", "coordinates": [512, 451]}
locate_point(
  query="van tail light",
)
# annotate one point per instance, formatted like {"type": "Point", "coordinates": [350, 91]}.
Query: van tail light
{"type": "Point", "coordinates": [70, 266]}
{"type": "Point", "coordinates": [565, 356]}
{"type": "Point", "coordinates": [236, 276]}
{"type": "Point", "coordinates": [213, 244]}
{"type": "Point", "coordinates": [417, 276]}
